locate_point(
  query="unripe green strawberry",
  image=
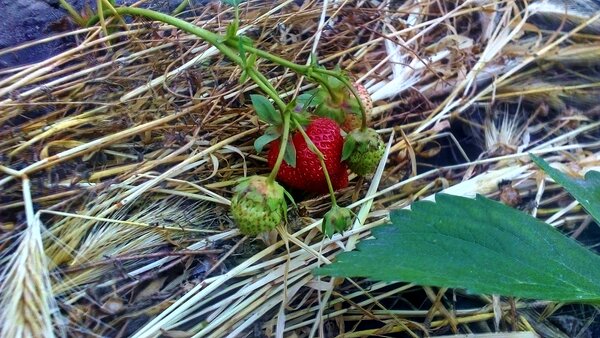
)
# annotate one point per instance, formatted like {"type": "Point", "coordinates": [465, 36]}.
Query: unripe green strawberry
{"type": "Point", "coordinates": [339, 104]}
{"type": "Point", "coordinates": [353, 116]}
{"type": "Point", "coordinates": [363, 150]}
{"type": "Point", "coordinates": [336, 220]}
{"type": "Point", "coordinates": [258, 205]}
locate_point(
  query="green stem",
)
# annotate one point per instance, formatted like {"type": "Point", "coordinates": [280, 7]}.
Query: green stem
{"type": "Point", "coordinates": [300, 69]}
{"type": "Point", "coordinates": [223, 45]}
{"type": "Point", "coordinates": [227, 47]}
{"type": "Point", "coordinates": [181, 7]}
{"type": "Point", "coordinates": [268, 88]}
{"type": "Point", "coordinates": [321, 158]}
{"type": "Point", "coordinates": [72, 12]}
{"type": "Point", "coordinates": [284, 140]}
{"type": "Point", "coordinates": [307, 70]}
{"type": "Point", "coordinates": [212, 38]}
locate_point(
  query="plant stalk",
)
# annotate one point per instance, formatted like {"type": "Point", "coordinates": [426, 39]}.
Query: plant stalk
{"type": "Point", "coordinates": [284, 140]}
{"type": "Point", "coordinates": [225, 46]}
{"type": "Point", "coordinates": [72, 12]}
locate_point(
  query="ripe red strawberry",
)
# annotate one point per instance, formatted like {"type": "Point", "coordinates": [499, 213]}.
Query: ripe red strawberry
{"type": "Point", "coordinates": [308, 174]}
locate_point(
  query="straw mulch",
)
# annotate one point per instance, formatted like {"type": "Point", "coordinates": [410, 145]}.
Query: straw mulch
{"type": "Point", "coordinates": [118, 157]}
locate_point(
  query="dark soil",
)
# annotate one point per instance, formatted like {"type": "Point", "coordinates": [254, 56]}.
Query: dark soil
{"type": "Point", "coordinates": [29, 20]}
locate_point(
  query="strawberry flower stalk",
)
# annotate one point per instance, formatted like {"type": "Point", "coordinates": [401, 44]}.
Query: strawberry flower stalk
{"type": "Point", "coordinates": [337, 219]}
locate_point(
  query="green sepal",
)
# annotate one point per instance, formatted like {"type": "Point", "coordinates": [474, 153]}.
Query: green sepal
{"type": "Point", "coordinates": [251, 61]}
{"type": "Point", "coordinates": [265, 110]}
{"type": "Point", "coordinates": [291, 198]}
{"type": "Point", "coordinates": [303, 119]}
{"type": "Point", "coordinates": [336, 220]}
{"type": "Point", "coordinates": [349, 146]}
{"type": "Point", "coordinates": [335, 113]}
{"type": "Point", "coordinates": [241, 184]}
{"type": "Point", "coordinates": [246, 41]}
{"type": "Point", "coordinates": [289, 156]}
{"type": "Point", "coordinates": [231, 31]}
{"type": "Point", "coordinates": [310, 99]}
{"type": "Point", "coordinates": [271, 134]}
{"type": "Point", "coordinates": [334, 83]}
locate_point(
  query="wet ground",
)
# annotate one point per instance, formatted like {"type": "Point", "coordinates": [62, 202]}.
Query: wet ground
{"type": "Point", "coordinates": [28, 20]}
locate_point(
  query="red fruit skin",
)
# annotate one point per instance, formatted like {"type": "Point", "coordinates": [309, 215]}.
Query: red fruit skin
{"type": "Point", "coordinates": [308, 174]}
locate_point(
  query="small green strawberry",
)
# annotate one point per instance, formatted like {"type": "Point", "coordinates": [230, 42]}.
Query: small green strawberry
{"type": "Point", "coordinates": [258, 205]}
{"type": "Point", "coordinates": [363, 150]}
{"type": "Point", "coordinates": [336, 220]}
{"type": "Point", "coordinates": [338, 103]}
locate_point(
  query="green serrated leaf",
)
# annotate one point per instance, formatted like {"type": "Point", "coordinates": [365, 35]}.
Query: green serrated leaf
{"type": "Point", "coordinates": [265, 110]}
{"type": "Point", "coordinates": [586, 191]}
{"type": "Point", "coordinates": [327, 228]}
{"type": "Point", "coordinates": [270, 135]}
{"type": "Point", "coordinates": [290, 198]}
{"type": "Point", "coordinates": [289, 156]}
{"type": "Point", "coordinates": [349, 146]}
{"type": "Point", "coordinates": [477, 244]}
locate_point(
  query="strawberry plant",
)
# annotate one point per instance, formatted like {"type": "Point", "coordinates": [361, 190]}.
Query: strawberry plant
{"type": "Point", "coordinates": [308, 160]}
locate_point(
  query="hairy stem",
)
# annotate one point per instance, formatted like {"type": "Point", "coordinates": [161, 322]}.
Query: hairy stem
{"type": "Point", "coordinates": [210, 37]}
{"type": "Point", "coordinates": [227, 47]}
{"type": "Point", "coordinates": [181, 7]}
{"type": "Point", "coordinates": [284, 140]}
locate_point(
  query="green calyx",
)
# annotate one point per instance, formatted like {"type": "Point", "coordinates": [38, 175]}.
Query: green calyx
{"type": "Point", "coordinates": [335, 100]}
{"type": "Point", "coordinates": [258, 205]}
{"type": "Point", "coordinates": [337, 220]}
{"type": "Point", "coordinates": [331, 110]}
{"type": "Point", "coordinates": [363, 150]}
